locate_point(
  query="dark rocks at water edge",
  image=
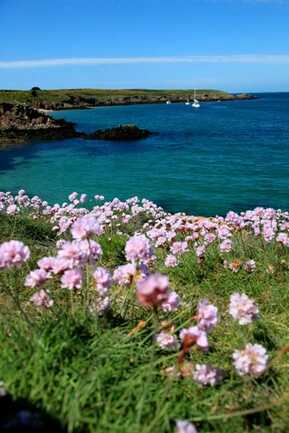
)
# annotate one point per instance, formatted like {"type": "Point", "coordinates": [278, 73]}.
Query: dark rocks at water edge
{"type": "Point", "coordinates": [20, 123]}
{"type": "Point", "coordinates": [122, 132]}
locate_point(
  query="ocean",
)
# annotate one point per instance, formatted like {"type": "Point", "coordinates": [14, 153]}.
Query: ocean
{"type": "Point", "coordinates": [223, 156]}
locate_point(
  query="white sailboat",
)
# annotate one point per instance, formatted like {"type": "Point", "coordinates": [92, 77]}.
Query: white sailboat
{"type": "Point", "coordinates": [196, 103]}
{"type": "Point", "coordinates": [168, 102]}
{"type": "Point", "coordinates": [187, 102]}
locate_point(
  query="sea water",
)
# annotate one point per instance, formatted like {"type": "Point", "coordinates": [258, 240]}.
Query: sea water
{"type": "Point", "coordinates": [223, 156]}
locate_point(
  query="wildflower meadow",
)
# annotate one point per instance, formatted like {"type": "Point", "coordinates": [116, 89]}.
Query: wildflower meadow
{"type": "Point", "coordinates": [118, 317]}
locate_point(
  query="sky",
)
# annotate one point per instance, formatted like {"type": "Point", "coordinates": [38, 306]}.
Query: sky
{"type": "Point", "coordinates": [234, 45]}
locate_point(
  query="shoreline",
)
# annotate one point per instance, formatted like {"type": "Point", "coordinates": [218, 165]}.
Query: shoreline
{"type": "Point", "coordinates": [57, 100]}
{"type": "Point", "coordinates": [23, 124]}
{"type": "Point", "coordinates": [120, 104]}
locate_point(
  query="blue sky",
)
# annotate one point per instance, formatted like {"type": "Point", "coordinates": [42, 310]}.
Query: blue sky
{"type": "Point", "coordinates": [233, 45]}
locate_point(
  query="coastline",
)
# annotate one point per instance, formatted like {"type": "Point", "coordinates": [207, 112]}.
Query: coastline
{"type": "Point", "coordinates": [22, 124]}
{"type": "Point", "coordinates": [57, 100]}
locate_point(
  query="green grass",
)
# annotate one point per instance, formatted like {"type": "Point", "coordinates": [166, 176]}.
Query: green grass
{"type": "Point", "coordinates": [63, 95]}
{"type": "Point", "coordinates": [87, 371]}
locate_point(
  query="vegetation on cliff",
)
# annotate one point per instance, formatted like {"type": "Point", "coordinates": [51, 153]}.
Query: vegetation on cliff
{"type": "Point", "coordinates": [82, 98]}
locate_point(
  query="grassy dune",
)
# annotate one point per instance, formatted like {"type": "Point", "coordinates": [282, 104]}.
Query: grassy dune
{"type": "Point", "coordinates": [102, 374]}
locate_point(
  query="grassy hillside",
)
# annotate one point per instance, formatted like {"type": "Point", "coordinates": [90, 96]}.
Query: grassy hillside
{"type": "Point", "coordinates": [56, 98]}
{"type": "Point", "coordinates": [105, 373]}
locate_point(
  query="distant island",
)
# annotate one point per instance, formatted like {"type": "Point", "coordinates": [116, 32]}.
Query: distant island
{"type": "Point", "coordinates": [65, 99]}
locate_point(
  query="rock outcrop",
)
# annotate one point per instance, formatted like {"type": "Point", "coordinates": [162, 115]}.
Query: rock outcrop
{"type": "Point", "coordinates": [21, 123]}
{"type": "Point", "coordinates": [122, 132]}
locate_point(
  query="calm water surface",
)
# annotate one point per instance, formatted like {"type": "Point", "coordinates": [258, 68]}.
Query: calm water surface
{"type": "Point", "coordinates": [228, 155]}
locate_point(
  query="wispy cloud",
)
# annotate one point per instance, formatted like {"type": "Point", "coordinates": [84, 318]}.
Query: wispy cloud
{"type": "Point", "coordinates": [78, 61]}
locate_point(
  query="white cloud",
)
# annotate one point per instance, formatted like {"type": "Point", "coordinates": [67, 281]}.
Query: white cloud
{"type": "Point", "coordinates": [233, 58]}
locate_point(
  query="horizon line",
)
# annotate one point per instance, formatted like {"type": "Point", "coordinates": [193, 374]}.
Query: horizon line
{"type": "Point", "coordinates": [82, 61]}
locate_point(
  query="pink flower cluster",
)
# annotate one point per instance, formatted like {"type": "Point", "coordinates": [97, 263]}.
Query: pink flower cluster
{"type": "Point", "coordinates": [77, 264]}
{"type": "Point", "coordinates": [185, 427]}
{"type": "Point", "coordinates": [206, 374]}
{"type": "Point", "coordinates": [167, 341]}
{"type": "Point", "coordinates": [196, 336]}
{"type": "Point", "coordinates": [85, 227]}
{"type": "Point", "coordinates": [124, 274]}
{"type": "Point", "coordinates": [242, 308]}
{"type": "Point", "coordinates": [207, 315]}
{"type": "Point", "coordinates": [103, 281]}
{"type": "Point", "coordinates": [42, 299]}
{"type": "Point", "coordinates": [13, 253]}
{"type": "Point", "coordinates": [252, 360]}
{"type": "Point", "coordinates": [138, 249]}
{"type": "Point", "coordinates": [153, 291]}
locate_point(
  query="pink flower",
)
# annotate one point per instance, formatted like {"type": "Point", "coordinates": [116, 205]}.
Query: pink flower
{"type": "Point", "coordinates": [249, 266]}
{"type": "Point", "coordinates": [153, 290]}
{"type": "Point", "coordinates": [102, 279]}
{"type": "Point", "coordinates": [99, 197]}
{"type": "Point", "coordinates": [36, 278]}
{"type": "Point", "coordinates": [171, 261]}
{"type": "Point", "coordinates": [41, 299]}
{"type": "Point", "coordinates": [205, 374]}
{"type": "Point", "coordinates": [85, 227]}
{"type": "Point", "coordinates": [223, 232]}
{"type": "Point", "coordinates": [13, 253]}
{"type": "Point", "coordinates": [209, 238]}
{"type": "Point", "coordinates": [72, 196]}
{"type": "Point", "coordinates": [123, 275]}
{"type": "Point", "coordinates": [91, 250]}
{"type": "Point", "coordinates": [242, 308]}
{"type": "Point", "coordinates": [207, 315]}
{"type": "Point", "coordinates": [100, 305]}
{"type": "Point", "coordinates": [71, 279]}
{"type": "Point", "coordinates": [11, 209]}
{"type": "Point", "coordinates": [172, 303]}
{"type": "Point", "coordinates": [138, 249]}
{"type": "Point", "coordinates": [185, 427]}
{"type": "Point", "coordinates": [269, 230]}
{"type": "Point", "coordinates": [72, 252]}
{"type": "Point", "coordinates": [166, 341]}
{"type": "Point", "coordinates": [200, 251]}
{"type": "Point", "coordinates": [226, 246]}
{"type": "Point", "coordinates": [46, 263]}
{"type": "Point", "coordinates": [283, 239]}
{"type": "Point", "coordinates": [252, 360]}
{"type": "Point", "coordinates": [195, 335]}
{"type": "Point", "coordinates": [179, 247]}
{"type": "Point", "coordinates": [103, 304]}
{"type": "Point", "coordinates": [60, 265]}
{"type": "Point", "coordinates": [83, 198]}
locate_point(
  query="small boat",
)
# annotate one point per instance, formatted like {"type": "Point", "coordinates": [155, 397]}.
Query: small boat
{"type": "Point", "coordinates": [187, 102]}
{"type": "Point", "coordinates": [196, 103]}
{"type": "Point", "coordinates": [168, 102]}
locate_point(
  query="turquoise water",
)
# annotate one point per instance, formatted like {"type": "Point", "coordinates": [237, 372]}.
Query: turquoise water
{"type": "Point", "coordinates": [228, 155]}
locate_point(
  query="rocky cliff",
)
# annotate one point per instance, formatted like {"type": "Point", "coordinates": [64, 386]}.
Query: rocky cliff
{"type": "Point", "coordinates": [21, 123]}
